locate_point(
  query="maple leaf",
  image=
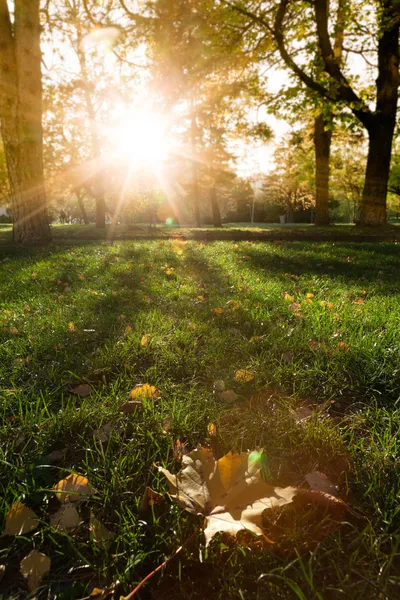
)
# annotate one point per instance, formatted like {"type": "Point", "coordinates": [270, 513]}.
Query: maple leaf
{"type": "Point", "coordinates": [230, 492]}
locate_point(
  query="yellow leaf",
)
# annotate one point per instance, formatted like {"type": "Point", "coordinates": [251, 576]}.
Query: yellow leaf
{"type": "Point", "coordinates": [66, 517]}
{"type": "Point", "coordinates": [20, 520]}
{"type": "Point", "coordinates": [243, 376]}
{"type": "Point", "coordinates": [288, 297]}
{"type": "Point", "coordinates": [81, 276]}
{"type": "Point", "coordinates": [309, 295]}
{"type": "Point", "coordinates": [178, 246]}
{"type": "Point", "coordinates": [200, 298]}
{"type": "Point", "coordinates": [99, 534]}
{"type": "Point", "coordinates": [144, 391]}
{"type": "Point", "coordinates": [128, 329]}
{"type": "Point", "coordinates": [255, 338]}
{"type": "Point", "coordinates": [230, 492]}
{"type": "Point", "coordinates": [71, 326]}
{"type": "Point", "coordinates": [73, 488]}
{"type": "Point", "coordinates": [218, 311]}
{"type": "Point", "coordinates": [145, 340]}
{"type": "Point", "coordinates": [34, 276]}
{"type": "Point", "coordinates": [169, 271]}
{"type": "Point", "coordinates": [34, 567]}
{"type": "Point", "coordinates": [234, 304]}
{"type": "Point", "coordinates": [212, 430]}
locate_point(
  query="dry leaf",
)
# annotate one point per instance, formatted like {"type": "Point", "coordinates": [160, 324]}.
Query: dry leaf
{"type": "Point", "coordinates": [150, 498]}
{"type": "Point", "coordinates": [102, 594]}
{"type": "Point", "coordinates": [82, 390]}
{"type": "Point", "coordinates": [230, 492]}
{"type": "Point", "coordinates": [321, 483]}
{"type": "Point", "coordinates": [218, 311]}
{"type": "Point", "coordinates": [73, 488]}
{"type": "Point", "coordinates": [243, 376]}
{"type": "Point", "coordinates": [65, 518]}
{"type": "Point", "coordinates": [130, 407]}
{"type": "Point", "coordinates": [71, 326]}
{"type": "Point", "coordinates": [179, 449]}
{"type": "Point", "coordinates": [99, 534]}
{"type": "Point", "coordinates": [229, 396]}
{"type": "Point", "coordinates": [302, 413]}
{"type": "Point", "coordinates": [255, 338]}
{"type": "Point", "coordinates": [145, 340]}
{"type": "Point", "coordinates": [288, 297]}
{"type": "Point", "coordinates": [212, 430]}
{"type": "Point", "coordinates": [34, 567]}
{"type": "Point", "coordinates": [57, 455]}
{"type": "Point", "coordinates": [20, 520]}
{"type": "Point", "coordinates": [144, 391]}
{"type": "Point", "coordinates": [104, 433]}
{"type": "Point", "coordinates": [166, 424]}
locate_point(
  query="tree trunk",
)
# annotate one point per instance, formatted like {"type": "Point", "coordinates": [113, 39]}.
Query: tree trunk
{"type": "Point", "coordinates": [82, 209]}
{"type": "Point", "coordinates": [322, 145]}
{"type": "Point", "coordinates": [21, 120]}
{"type": "Point", "coordinates": [217, 221]}
{"type": "Point", "coordinates": [100, 211]}
{"type": "Point", "coordinates": [373, 205]}
{"type": "Point", "coordinates": [195, 182]}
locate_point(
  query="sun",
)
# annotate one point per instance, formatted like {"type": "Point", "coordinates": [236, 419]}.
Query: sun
{"type": "Point", "coordinates": [141, 137]}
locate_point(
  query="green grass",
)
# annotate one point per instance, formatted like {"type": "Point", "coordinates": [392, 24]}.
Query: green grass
{"type": "Point", "coordinates": [336, 351]}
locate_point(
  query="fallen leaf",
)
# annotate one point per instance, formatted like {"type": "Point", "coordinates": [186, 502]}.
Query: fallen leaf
{"type": "Point", "coordinates": [229, 396]}
{"type": "Point", "coordinates": [71, 326]}
{"type": "Point", "coordinates": [235, 305]}
{"type": "Point", "coordinates": [321, 483]}
{"type": "Point", "coordinates": [255, 338]}
{"type": "Point", "coordinates": [34, 276]}
{"type": "Point", "coordinates": [243, 376]}
{"type": "Point", "coordinates": [288, 297]}
{"type": "Point", "coordinates": [121, 318]}
{"type": "Point", "coordinates": [82, 390]}
{"type": "Point", "coordinates": [104, 433]}
{"type": "Point", "coordinates": [130, 407]}
{"type": "Point", "coordinates": [73, 488]}
{"type": "Point", "coordinates": [34, 567]}
{"type": "Point", "coordinates": [102, 594]}
{"type": "Point", "coordinates": [57, 455]}
{"type": "Point", "coordinates": [219, 385]}
{"type": "Point", "coordinates": [200, 298]}
{"type": "Point", "coordinates": [343, 346]}
{"type": "Point", "coordinates": [128, 330]}
{"type": "Point", "coordinates": [212, 430]}
{"type": "Point", "coordinates": [145, 340]}
{"type": "Point", "coordinates": [65, 518]}
{"type": "Point", "coordinates": [218, 311]}
{"type": "Point", "coordinates": [179, 449]}
{"type": "Point", "coordinates": [309, 296]}
{"type": "Point", "coordinates": [166, 424]}
{"type": "Point", "coordinates": [144, 391]}
{"type": "Point", "coordinates": [230, 492]}
{"type": "Point", "coordinates": [20, 520]}
{"type": "Point", "coordinates": [150, 498]}
{"type": "Point", "coordinates": [302, 413]}
{"type": "Point", "coordinates": [99, 534]}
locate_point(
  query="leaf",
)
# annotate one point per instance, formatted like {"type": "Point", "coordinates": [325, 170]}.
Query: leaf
{"type": "Point", "coordinates": [229, 396]}
{"type": "Point", "coordinates": [131, 406]}
{"type": "Point", "coordinates": [179, 449]}
{"type": "Point", "coordinates": [150, 498]}
{"type": "Point", "coordinates": [99, 534]}
{"type": "Point", "coordinates": [145, 340]}
{"type": "Point", "coordinates": [65, 518]}
{"type": "Point", "coordinates": [235, 305]}
{"type": "Point", "coordinates": [219, 385]}
{"type": "Point", "coordinates": [302, 413]}
{"type": "Point", "coordinates": [20, 520]}
{"type": "Point", "coordinates": [243, 376]}
{"type": "Point", "coordinates": [71, 326]}
{"type": "Point", "coordinates": [2, 571]}
{"type": "Point", "coordinates": [104, 433]}
{"type": "Point", "coordinates": [34, 567]}
{"type": "Point", "coordinates": [230, 492]}
{"type": "Point", "coordinates": [288, 297]}
{"type": "Point", "coordinates": [144, 391]}
{"type": "Point", "coordinates": [57, 455]}
{"type": "Point", "coordinates": [73, 488]}
{"type": "Point", "coordinates": [212, 430]}
{"type": "Point", "coordinates": [166, 424]}
{"type": "Point", "coordinates": [218, 311]}
{"type": "Point", "coordinates": [320, 482]}
{"type": "Point", "coordinates": [82, 390]}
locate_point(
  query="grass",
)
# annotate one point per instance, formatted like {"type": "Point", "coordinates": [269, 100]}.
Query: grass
{"type": "Point", "coordinates": [317, 324]}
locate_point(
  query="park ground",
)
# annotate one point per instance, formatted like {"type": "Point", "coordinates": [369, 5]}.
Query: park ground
{"type": "Point", "coordinates": [316, 325]}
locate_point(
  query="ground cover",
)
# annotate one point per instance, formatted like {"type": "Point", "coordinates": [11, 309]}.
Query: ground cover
{"type": "Point", "coordinates": [305, 335]}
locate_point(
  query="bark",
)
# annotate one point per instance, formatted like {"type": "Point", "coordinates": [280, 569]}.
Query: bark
{"type": "Point", "coordinates": [322, 144]}
{"type": "Point", "coordinates": [21, 120]}
{"type": "Point", "coordinates": [195, 179]}
{"type": "Point", "coordinates": [217, 221]}
{"type": "Point", "coordinates": [82, 208]}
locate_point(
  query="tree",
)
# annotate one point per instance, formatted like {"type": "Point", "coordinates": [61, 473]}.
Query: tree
{"type": "Point", "coordinates": [336, 85]}
{"type": "Point", "coordinates": [21, 119]}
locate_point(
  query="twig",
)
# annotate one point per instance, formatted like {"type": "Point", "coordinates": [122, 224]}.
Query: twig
{"type": "Point", "coordinates": [132, 594]}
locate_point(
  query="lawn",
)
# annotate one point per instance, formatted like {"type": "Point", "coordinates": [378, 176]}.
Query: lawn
{"type": "Point", "coordinates": [317, 328]}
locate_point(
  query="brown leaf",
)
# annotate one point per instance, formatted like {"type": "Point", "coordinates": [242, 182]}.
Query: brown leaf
{"type": "Point", "coordinates": [179, 449]}
{"type": "Point", "coordinates": [229, 396]}
{"type": "Point", "coordinates": [302, 413]}
{"type": "Point", "coordinates": [104, 433]}
{"type": "Point", "coordinates": [73, 488]}
{"type": "Point", "coordinates": [99, 534]}
{"type": "Point", "coordinates": [57, 455]}
{"type": "Point", "coordinates": [167, 424]}
{"type": "Point", "coordinates": [34, 567]}
{"type": "Point", "coordinates": [82, 390]}
{"type": "Point", "coordinates": [145, 340]}
{"type": "Point", "coordinates": [130, 407]}
{"type": "Point", "coordinates": [150, 498]}
{"type": "Point", "coordinates": [65, 518]}
{"type": "Point", "coordinates": [320, 482]}
{"type": "Point", "coordinates": [20, 520]}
